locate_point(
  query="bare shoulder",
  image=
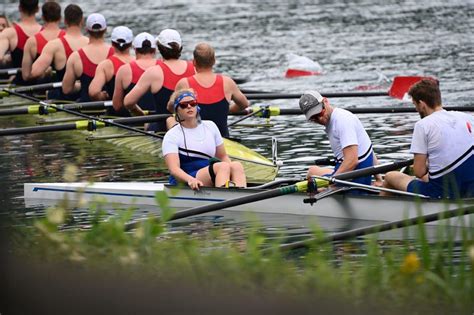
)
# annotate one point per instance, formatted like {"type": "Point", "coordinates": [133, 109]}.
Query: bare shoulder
{"type": "Point", "coordinates": [52, 45]}
{"type": "Point", "coordinates": [8, 33]}
{"type": "Point", "coordinates": [182, 84]}
{"type": "Point", "coordinates": [153, 72]}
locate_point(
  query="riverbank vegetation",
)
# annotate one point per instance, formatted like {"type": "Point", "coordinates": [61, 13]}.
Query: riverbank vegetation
{"type": "Point", "coordinates": [414, 276]}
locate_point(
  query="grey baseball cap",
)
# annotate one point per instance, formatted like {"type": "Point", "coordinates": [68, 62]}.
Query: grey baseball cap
{"type": "Point", "coordinates": [311, 103]}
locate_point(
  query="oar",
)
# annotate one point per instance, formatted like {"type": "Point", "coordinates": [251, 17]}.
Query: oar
{"type": "Point", "coordinates": [90, 125]}
{"type": "Point", "coordinates": [276, 111]}
{"type": "Point", "coordinates": [107, 122]}
{"type": "Point", "coordinates": [252, 113]}
{"type": "Point", "coordinates": [281, 191]}
{"type": "Point", "coordinates": [43, 110]}
{"type": "Point", "coordinates": [398, 89]}
{"type": "Point", "coordinates": [377, 228]}
{"type": "Point", "coordinates": [10, 71]}
{"type": "Point", "coordinates": [32, 88]}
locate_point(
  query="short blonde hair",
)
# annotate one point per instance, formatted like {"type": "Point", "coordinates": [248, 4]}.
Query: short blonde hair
{"type": "Point", "coordinates": [177, 94]}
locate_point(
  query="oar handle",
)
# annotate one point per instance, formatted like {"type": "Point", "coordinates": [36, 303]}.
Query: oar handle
{"type": "Point", "coordinates": [372, 170]}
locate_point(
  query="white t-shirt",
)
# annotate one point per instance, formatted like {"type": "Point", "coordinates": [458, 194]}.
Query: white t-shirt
{"type": "Point", "coordinates": [345, 129]}
{"type": "Point", "coordinates": [446, 137]}
{"type": "Point", "coordinates": [204, 138]}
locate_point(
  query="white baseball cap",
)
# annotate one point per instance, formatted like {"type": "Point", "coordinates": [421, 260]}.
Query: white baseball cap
{"type": "Point", "coordinates": [140, 38]}
{"type": "Point", "coordinates": [122, 33]}
{"type": "Point", "coordinates": [311, 103]}
{"type": "Point", "coordinates": [96, 19]}
{"type": "Point", "coordinates": [168, 36]}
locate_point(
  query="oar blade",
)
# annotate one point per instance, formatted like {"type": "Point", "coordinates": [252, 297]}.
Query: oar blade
{"type": "Point", "coordinates": [401, 85]}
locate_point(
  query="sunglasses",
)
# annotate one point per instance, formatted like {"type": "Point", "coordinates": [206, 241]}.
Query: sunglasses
{"type": "Point", "coordinates": [317, 116]}
{"type": "Point", "coordinates": [185, 104]}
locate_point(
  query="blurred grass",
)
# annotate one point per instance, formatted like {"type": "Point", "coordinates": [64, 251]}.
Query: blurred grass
{"type": "Point", "coordinates": [415, 276]}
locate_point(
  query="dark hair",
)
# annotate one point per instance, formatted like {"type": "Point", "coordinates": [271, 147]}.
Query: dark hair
{"type": "Point", "coordinates": [29, 7]}
{"type": "Point", "coordinates": [51, 11]}
{"type": "Point", "coordinates": [96, 34]}
{"type": "Point", "coordinates": [426, 90]}
{"type": "Point", "coordinates": [73, 15]}
{"type": "Point", "coordinates": [204, 56]}
{"type": "Point", "coordinates": [146, 48]}
{"type": "Point", "coordinates": [3, 16]}
{"type": "Point", "coordinates": [170, 53]}
{"type": "Point", "coordinates": [120, 45]}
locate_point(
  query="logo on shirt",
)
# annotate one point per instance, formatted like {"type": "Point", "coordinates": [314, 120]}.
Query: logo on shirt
{"type": "Point", "coordinates": [469, 127]}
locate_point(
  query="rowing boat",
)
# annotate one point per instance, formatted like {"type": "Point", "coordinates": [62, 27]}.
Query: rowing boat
{"type": "Point", "coordinates": [338, 205]}
{"type": "Point", "coordinates": [258, 168]}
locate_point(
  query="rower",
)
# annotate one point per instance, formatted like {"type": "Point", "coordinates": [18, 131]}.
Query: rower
{"type": "Point", "coordinates": [51, 15]}
{"type": "Point", "coordinates": [194, 150]}
{"type": "Point", "coordinates": [83, 63]}
{"type": "Point", "coordinates": [217, 94]}
{"type": "Point", "coordinates": [57, 51]}
{"type": "Point", "coordinates": [443, 148]}
{"type": "Point", "coordinates": [4, 23]}
{"type": "Point", "coordinates": [349, 141]}
{"type": "Point", "coordinates": [128, 75]}
{"type": "Point", "coordinates": [102, 86]}
{"type": "Point", "coordinates": [13, 39]}
{"type": "Point", "coordinates": [161, 79]}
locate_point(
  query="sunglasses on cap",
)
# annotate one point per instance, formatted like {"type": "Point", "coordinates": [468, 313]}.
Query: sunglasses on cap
{"type": "Point", "coordinates": [185, 104]}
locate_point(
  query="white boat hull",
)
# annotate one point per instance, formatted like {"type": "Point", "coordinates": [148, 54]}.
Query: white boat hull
{"type": "Point", "coordinates": [340, 205]}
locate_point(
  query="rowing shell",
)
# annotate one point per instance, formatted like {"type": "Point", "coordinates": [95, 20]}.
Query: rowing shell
{"type": "Point", "coordinates": [258, 168]}
{"type": "Point", "coordinates": [339, 205]}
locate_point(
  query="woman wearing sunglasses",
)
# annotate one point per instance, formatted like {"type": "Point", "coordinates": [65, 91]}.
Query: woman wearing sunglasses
{"type": "Point", "coordinates": [194, 150]}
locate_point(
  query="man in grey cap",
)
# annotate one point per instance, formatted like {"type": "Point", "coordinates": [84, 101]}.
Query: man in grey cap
{"type": "Point", "coordinates": [349, 141]}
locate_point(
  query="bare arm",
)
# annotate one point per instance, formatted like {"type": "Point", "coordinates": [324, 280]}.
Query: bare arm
{"type": "Point", "coordinates": [378, 177]}
{"type": "Point", "coordinates": [72, 73]}
{"type": "Point", "coordinates": [420, 167]}
{"type": "Point", "coordinates": [350, 159]}
{"type": "Point", "coordinates": [172, 162]}
{"type": "Point", "coordinates": [44, 61]}
{"type": "Point", "coordinates": [5, 38]}
{"type": "Point", "coordinates": [143, 85]}
{"type": "Point", "coordinates": [29, 54]}
{"type": "Point", "coordinates": [119, 88]}
{"type": "Point", "coordinates": [240, 101]}
{"type": "Point", "coordinates": [182, 84]}
{"type": "Point", "coordinates": [221, 153]}
{"type": "Point", "coordinates": [98, 82]}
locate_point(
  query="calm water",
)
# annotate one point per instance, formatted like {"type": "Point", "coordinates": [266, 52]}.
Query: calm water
{"type": "Point", "coordinates": [356, 43]}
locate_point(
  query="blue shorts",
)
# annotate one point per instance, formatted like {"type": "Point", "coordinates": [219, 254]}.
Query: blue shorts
{"type": "Point", "coordinates": [458, 183]}
{"type": "Point", "coordinates": [366, 180]}
{"type": "Point", "coordinates": [191, 168]}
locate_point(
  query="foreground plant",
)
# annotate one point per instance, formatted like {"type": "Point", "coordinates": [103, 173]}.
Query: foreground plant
{"type": "Point", "coordinates": [414, 275]}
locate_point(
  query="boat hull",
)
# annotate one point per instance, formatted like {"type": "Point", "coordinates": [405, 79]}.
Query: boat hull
{"type": "Point", "coordinates": [339, 205]}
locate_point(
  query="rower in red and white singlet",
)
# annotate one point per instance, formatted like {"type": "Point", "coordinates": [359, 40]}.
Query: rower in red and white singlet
{"type": "Point", "coordinates": [128, 75]}
{"type": "Point", "coordinates": [83, 63]}
{"type": "Point", "coordinates": [161, 79]}
{"type": "Point", "coordinates": [51, 15]}
{"type": "Point", "coordinates": [103, 83]}
{"type": "Point", "coordinates": [217, 94]}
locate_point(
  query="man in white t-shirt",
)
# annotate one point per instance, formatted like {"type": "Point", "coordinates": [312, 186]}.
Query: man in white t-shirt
{"type": "Point", "coordinates": [349, 141]}
{"type": "Point", "coordinates": [443, 146]}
